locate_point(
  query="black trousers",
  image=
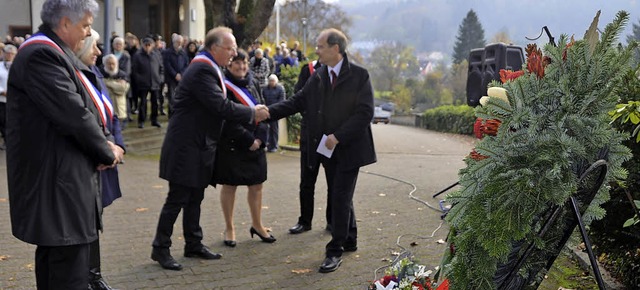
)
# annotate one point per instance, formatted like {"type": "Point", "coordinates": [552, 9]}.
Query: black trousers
{"type": "Point", "coordinates": [142, 106]}
{"type": "Point", "coordinates": [62, 267]}
{"type": "Point", "coordinates": [342, 184]}
{"type": "Point", "coordinates": [171, 90]}
{"type": "Point", "coordinates": [94, 255]}
{"type": "Point", "coordinates": [3, 119]}
{"type": "Point", "coordinates": [272, 136]}
{"type": "Point", "coordinates": [308, 177]}
{"type": "Point", "coordinates": [180, 197]}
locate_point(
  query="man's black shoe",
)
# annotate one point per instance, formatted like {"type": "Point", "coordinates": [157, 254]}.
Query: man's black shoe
{"type": "Point", "coordinates": [100, 284]}
{"type": "Point", "coordinates": [163, 257]}
{"type": "Point", "coordinates": [330, 264]}
{"type": "Point", "coordinates": [350, 248]}
{"type": "Point", "coordinates": [96, 282]}
{"type": "Point", "coordinates": [299, 228]}
{"type": "Point", "coordinates": [203, 252]}
{"type": "Point", "coordinates": [156, 124]}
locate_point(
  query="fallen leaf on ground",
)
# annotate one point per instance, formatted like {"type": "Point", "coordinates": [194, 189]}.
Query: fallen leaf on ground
{"type": "Point", "coordinates": [158, 186]}
{"type": "Point", "coordinates": [300, 271]}
{"type": "Point", "coordinates": [3, 200]}
{"type": "Point", "coordinates": [375, 212]}
{"type": "Point", "coordinates": [381, 194]}
{"type": "Point", "coordinates": [141, 209]}
{"type": "Point", "coordinates": [441, 241]}
{"type": "Point", "coordinates": [386, 260]}
{"type": "Point", "coordinates": [392, 214]}
{"type": "Point", "coordinates": [413, 244]}
{"type": "Point", "coordinates": [265, 207]}
{"type": "Point", "coordinates": [4, 257]}
{"type": "Point", "coordinates": [395, 253]}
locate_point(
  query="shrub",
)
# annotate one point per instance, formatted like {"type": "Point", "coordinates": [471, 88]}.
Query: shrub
{"type": "Point", "coordinates": [618, 246]}
{"type": "Point", "coordinates": [450, 119]}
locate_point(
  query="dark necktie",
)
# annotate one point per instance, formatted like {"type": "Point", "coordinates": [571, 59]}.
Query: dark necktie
{"type": "Point", "coordinates": [334, 79]}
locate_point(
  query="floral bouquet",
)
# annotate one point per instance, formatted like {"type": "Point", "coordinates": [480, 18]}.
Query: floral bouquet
{"type": "Point", "coordinates": [407, 274]}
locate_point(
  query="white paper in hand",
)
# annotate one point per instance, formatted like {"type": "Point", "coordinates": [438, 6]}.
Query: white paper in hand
{"type": "Point", "coordinates": [322, 148]}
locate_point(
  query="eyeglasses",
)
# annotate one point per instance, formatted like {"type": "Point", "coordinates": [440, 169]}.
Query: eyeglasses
{"type": "Point", "coordinates": [322, 46]}
{"type": "Point", "coordinates": [232, 48]}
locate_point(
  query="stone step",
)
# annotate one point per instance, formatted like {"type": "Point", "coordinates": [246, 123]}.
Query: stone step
{"type": "Point", "coordinates": [133, 132]}
{"type": "Point", "coordinates": [138, 145]}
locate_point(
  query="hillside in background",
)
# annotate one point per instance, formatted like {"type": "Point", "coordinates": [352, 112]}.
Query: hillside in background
{"type": "Point", "coordinates": [432, 25]}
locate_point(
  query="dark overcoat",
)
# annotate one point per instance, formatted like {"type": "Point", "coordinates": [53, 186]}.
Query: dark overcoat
{"type": "Point", "coordinates": [235, 163]}
{"type": "Point", "coordinates": [345, 111]}
{"type": "Point", "coordinates": [55, 142]}
{"type": "Point", "coordinates": [200, 108]}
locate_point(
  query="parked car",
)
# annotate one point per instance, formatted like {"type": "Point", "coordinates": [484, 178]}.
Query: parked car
{"type": "Point", "coordinates": [380, 115]}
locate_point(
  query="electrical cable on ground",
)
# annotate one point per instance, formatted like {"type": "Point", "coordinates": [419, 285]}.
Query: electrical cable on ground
{"type": "Point", "coordinates": [405, 252]}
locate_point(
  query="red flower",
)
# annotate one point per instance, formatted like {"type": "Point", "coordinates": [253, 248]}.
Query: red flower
{"type": "Point", "coordinates": [477, 128]}
{"type": "Point", "coordinates": [444, 285]}
{"type": "Point", "coordinates": [566, 48]}
{"type": "Point", "coordinates": [490, 127]}
{"type": "Point", "coordinates": [535, 61]}
{"type": "Point", "coordinates": [509, 75]}
{"type": "Point", "coordinates": [477, 156]}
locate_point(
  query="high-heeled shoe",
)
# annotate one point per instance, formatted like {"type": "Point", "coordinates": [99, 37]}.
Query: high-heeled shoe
{"type": "Point", "coordinates": [269, 239]}
{"type": "Point", "coordinates": [228, 243]}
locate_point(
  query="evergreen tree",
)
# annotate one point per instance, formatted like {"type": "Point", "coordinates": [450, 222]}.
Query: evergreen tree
{"type": "Point", "coordinates": [635, 36]}
{"type": "Point", "coordinates": [470, 36]}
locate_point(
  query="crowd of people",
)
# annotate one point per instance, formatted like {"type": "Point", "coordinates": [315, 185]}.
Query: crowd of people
{"type": "Point", "coordinates": [223, 106]}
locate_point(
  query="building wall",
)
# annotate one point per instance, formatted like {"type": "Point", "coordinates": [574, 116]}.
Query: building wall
{"type": "Point", "coordinates": [184, 16]}
{"type": "Point", "coordinates": [192, 19]}
{"type": "Point", "coordinates": [14, 12]}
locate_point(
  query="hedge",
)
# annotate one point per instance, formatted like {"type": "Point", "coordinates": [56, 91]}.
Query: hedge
{"type": "Point", "coordinates": [450, 119]}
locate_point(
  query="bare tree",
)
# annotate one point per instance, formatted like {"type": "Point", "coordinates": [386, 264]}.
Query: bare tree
{"type": "Point", "coordinates": [319, 15]}
{"type": "Point", "coordinates": [247, 18]}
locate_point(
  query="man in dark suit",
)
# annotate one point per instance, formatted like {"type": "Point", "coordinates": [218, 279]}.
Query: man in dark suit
{"type": "Point", "coordinates": [147, 72]}
{"type": "Point", "coordinates": [57, 141]}
{"type": "Point", "coordinates": [308, 171]}
{"type": "Point", "coordinates": [338, 101]}
{"type": "Point", "coordinates": [189, 149]}
{"type": "Point", "coordinates": [175, 63]}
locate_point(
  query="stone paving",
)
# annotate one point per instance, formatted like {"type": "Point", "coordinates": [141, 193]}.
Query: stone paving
{"type": "Point", "coordinates": [383, 207]}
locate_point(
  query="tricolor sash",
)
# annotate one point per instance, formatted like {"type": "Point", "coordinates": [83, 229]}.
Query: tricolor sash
{"type": "Point", "coordinates": [42, 39]}
{"type": "Point", "coordinates": [245, 99]}
{"type": "Point", "coordinates": [312, 67]}
{"type": "Point", "coordinates": [203, 58]}
{"type": "Point", "coordinates": [99, 100]}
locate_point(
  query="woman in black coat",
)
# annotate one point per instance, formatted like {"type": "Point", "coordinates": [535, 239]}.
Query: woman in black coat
{"type": "Point", "coordinates": [110, 184]}
{"type": "Point", "coordinates": [241, 158]}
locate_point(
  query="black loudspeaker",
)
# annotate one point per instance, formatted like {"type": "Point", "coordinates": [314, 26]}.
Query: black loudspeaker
{"type": "Point", "coordinates": [485, 65]}
{"type": "Point", "coordinates": [474, 77]}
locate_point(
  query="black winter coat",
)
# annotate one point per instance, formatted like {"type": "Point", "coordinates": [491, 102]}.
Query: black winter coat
{"type": "Point", "coordinates": [147, 70]}
{"type": "Point", "coordinates": [345, 111]}
{"type": "Point", "coordinates": [200, 108]}
{"type": "Point", "coordinates": [235, 163]}
{"type": "Point", "coordinates": [55, 142]}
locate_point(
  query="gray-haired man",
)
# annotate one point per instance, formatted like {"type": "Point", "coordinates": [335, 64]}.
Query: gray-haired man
{"type": "Point", "coordinates": [56, 143]}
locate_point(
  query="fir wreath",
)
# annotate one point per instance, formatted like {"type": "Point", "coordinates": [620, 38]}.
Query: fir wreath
{"type": "Point", "coordinates": [554, 122]}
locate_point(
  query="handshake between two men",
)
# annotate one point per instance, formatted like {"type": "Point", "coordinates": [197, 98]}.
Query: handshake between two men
{"type": "Point", "coordinates": [261, 113]}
